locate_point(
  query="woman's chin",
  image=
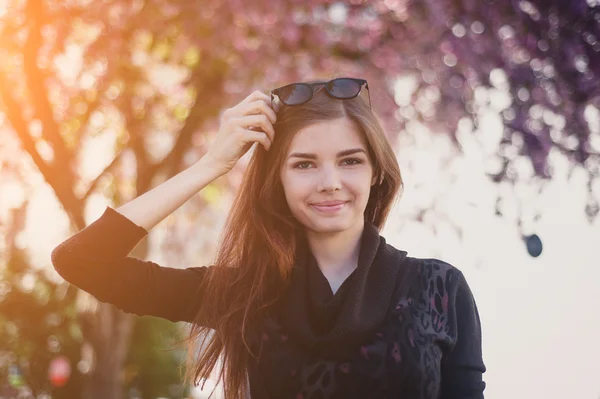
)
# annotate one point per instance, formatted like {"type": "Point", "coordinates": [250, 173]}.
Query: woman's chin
{"type": "Point", "coordinates": [330, 225]}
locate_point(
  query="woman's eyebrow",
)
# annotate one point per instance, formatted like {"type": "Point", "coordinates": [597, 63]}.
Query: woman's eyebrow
{"type": "Point", "coordinates": [339, 154]}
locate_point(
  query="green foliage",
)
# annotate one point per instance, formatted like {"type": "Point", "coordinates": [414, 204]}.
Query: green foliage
{"type": "Point", "coordinates": [38, 322]}
{"type": "Point", "coordinates": [154, 363]}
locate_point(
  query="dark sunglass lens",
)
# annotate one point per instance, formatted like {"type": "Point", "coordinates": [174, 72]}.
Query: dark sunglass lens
{"type": "Point", "coordinates": [295, 94]}
{"type": "Point", "coordinates": [343, 88]}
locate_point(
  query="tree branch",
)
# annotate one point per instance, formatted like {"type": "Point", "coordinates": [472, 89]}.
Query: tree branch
{"type": "Point", "coordinates": [14, 116]}
{"type": "Point", "coordinates": [198, 115]}
{"type": "Point", "coordinates": [51, 173]}
{"type": "Point", "coordinates": [96, 181]}
{"type": "Point", "coordinates": [34, 11]}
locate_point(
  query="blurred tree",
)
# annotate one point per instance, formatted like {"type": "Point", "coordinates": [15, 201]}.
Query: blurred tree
{"type": "Point", "coordinates": [544, 54]}
{"type": "Point", "coordinates": [151, 76]}
{"type": "Point", "coordinates": [37, 322]}
{"type": "Point", "coordinates": [151, 373]}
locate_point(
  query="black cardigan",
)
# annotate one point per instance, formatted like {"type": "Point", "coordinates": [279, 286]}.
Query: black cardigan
{"type": "Point", "coordinates": [397, 327]}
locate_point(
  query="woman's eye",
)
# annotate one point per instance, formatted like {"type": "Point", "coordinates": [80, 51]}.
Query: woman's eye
{"type": "Point", "coordinates": [302, 165]}
{"type": "Point", "coordinates": [347, 161]}
{"type": "Point", "coordinates": [352, 161]}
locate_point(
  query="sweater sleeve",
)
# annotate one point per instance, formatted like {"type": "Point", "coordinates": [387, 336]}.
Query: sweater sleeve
{"type": "Point", "coordinates": [96, 260]}
{"type": "Point", "coordinates": [462, 364]}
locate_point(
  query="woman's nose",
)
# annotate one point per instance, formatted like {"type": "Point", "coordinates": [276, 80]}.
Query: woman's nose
{"type": "Point", "coordinates": [329, 179]}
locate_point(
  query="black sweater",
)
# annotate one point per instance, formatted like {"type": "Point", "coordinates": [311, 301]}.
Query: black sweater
{"type": "Point", "coordinates": [398, 327]}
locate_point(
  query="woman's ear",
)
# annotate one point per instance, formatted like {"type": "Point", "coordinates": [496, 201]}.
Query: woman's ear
{"type": "Point", "coordinates": [377, 178]}
{"type": "Point", "coordinates": [374, 179]}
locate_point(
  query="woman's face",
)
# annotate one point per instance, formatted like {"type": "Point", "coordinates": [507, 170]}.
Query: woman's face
{"type": "Point", "coordinates": [327, 176]}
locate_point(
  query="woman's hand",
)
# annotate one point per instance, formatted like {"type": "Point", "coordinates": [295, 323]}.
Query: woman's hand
{"type": "Point", "coordinates": [248, 122]}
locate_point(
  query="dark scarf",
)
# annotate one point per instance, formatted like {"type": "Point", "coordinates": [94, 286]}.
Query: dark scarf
{"type": "Point", "coordinates": [333, 324]}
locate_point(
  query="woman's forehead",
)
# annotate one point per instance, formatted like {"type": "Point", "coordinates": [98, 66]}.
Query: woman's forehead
{"type": "Point", "coordinates": [331, 134]}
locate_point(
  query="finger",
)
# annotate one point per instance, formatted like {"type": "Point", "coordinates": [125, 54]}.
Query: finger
{"type": "Point", "coordinates": [257, 107]}
{"type": "Point", "coordinates": [256, 95]}
{"type": "Point", "coordinates": [260, 121]}
{"type": "Point", "coordinates": [256, 123]}
{"type": "Point", "coordinates": [259, 137]}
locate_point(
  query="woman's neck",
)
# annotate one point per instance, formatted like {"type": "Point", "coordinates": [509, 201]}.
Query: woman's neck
{"type": "Point", "coordinates": [336, 254]}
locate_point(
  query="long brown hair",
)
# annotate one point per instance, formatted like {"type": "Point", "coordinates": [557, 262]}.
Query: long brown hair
{"type": "Point", "coordinates": [259, 242]}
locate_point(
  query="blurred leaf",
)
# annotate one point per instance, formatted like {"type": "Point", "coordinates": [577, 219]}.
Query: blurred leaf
{"type": "Point", "coordinates": [191, 57]}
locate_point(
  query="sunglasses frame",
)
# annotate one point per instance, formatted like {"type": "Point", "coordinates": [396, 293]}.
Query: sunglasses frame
{"type": "Point", "coordinates": [312, 86]}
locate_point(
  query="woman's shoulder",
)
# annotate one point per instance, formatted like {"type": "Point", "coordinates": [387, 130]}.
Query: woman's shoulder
{"type": "Point", "coordinates": [436, 274]}
{"type": "Point", "coordinates": [432, 265]}
{"type": "Point", "coordinates": [427, 271]}
{"type": "Point", "coordinates": [427, 268]}
{"type": "Point", "coordinates": [424, 264]}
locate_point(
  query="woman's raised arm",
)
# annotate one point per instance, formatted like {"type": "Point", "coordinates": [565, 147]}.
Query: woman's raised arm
{"type": "Point", "coordinates": [97, 260]}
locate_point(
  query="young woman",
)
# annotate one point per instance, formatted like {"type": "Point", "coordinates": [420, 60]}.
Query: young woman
{"type": "Point", "coordinates": [305, 299]}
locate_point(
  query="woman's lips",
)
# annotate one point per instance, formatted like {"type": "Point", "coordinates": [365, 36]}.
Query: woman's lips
{"type": "Point", "coordinates": [329, 207]}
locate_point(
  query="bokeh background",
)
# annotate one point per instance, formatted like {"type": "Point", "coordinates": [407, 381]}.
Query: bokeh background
{"type": "Point", "coordinates": [492, 106]}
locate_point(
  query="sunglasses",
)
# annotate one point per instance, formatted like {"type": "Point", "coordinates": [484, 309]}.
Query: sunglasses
{"type": "Point", "coordinates": [300, 93]}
